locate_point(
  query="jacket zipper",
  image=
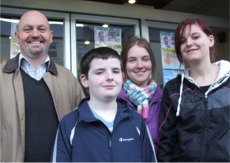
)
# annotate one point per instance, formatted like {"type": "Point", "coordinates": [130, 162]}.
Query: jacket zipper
{"type": "Point", "coordinates": [205, 129]}
{"type": "Point", "coordinates": [110, 147]}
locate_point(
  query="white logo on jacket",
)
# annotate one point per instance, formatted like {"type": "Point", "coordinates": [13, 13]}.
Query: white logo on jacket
{"type": "Point", "coordinates": [125, 139]}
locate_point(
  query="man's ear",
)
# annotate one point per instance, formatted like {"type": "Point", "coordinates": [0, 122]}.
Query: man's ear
{"type": "Point", "coordinates": [51, 36]}
{"type": "Point", "coordinates": [16, 35]}
{"type": "Point", "coordinates": [84, 80]}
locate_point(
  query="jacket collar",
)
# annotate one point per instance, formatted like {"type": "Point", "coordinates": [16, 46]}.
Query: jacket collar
{"type": "Point", "coordinates": [223, 75]}
{"type": "Point", "coordinates": [85, 113]}
{"type": "Point", "coordinates": [12, 65]}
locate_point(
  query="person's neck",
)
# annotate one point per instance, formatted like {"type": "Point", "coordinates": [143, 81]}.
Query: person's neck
{"type": "Point", "coordinates": [35, 62]}
{"type": "Point", "coordinates": [106, 109]}
{"type": "Point", "coordinates": [204, 73]}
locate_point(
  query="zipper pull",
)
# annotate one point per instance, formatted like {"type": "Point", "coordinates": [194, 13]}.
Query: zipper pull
{"type": "Point", "coordinates": [205, 98]}
{"type": "Point", "coordinates": [110, 142]}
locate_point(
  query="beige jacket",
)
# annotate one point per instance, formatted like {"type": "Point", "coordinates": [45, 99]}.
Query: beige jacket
{"type": "Point", "coordinates": [66, 92]}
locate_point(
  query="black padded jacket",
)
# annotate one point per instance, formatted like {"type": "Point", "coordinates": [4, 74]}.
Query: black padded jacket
{"type": "Point", "coordinates": [195, 126]}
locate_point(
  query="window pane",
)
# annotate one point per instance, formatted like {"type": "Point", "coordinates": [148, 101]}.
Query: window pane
{"type": "Point", "coordinates": [7, 28]}
{"type": "Point", "coordinates": [56, 51]}
{"type": "Point", "coordinates": [86, 32]}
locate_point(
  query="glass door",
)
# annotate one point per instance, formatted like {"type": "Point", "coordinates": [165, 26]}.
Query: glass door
{"type": "Point", "coordinates": [95, 31]}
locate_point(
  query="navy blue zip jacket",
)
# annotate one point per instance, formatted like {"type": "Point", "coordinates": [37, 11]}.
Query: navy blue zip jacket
{"type": "Point", "coordinates": [83, 138]}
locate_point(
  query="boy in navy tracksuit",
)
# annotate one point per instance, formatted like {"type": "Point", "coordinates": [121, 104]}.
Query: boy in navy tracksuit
{"type": "Point", "coordinates": [102, 129]}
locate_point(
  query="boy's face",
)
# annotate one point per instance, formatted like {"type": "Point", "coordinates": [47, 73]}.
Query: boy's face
{"type": "Point", "coordinates": [104, 79]}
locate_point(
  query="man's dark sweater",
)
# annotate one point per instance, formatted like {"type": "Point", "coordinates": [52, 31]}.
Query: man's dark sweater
{"type": "Point", "coordinates": [41, 120]}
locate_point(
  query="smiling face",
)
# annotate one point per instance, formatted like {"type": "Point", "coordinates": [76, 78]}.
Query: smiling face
{"type": "Point", "coordinates": [139, 66]}
{"type": "Point", "coordinates": [195, 44]}
{"type": "Point", "coordinates": [104, 79]}
{"type": "Point", "coordinates": [34, 35]}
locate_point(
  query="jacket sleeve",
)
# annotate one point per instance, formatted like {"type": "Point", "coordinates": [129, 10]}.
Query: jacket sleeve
{"type": "Point", "coordinates": [79, 92]}
{"type": "Point", "coordinates": [75, 89]}
{"type": "Point", "coordinates": [62, 148]}
{"type": "Point", "coordinates": [167, 128]}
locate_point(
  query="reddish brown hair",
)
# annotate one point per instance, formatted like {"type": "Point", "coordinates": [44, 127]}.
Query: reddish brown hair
{"type": "Point", "coordinates": [180, 30]}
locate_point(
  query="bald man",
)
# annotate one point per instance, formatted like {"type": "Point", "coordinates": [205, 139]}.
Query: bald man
{"type": "Point", "coordinates": [35, 94]}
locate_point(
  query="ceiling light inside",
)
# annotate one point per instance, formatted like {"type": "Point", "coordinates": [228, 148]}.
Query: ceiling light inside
{"type": "Point", "coordinates": [87, 42]}
{"type": "Point", "coordinates": [105, 25]}
{"type": "Point", "coordinates": [132, 1]}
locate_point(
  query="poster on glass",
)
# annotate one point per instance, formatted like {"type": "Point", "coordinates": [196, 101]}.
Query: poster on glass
{"type": "Point", "coordinates": [109, 37]}
{"type": "Point", "coordinates": [170, 64]}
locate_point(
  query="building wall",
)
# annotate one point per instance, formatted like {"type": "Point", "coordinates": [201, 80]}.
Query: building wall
{"type": "Point", "coordinates": [126, 11]}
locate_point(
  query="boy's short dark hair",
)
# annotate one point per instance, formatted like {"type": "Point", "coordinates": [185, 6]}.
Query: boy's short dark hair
{"type": "Point", "coordinates": [99, 53]}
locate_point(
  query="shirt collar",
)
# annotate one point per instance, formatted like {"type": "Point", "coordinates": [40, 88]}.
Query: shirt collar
{"type": "Point", "coordinates": [21, 58]}
{"type": "Point", "coordinates": [12, 64]}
